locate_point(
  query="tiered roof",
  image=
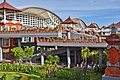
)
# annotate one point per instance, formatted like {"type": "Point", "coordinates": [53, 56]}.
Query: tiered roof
{"type": "Point", "coordinates": [93, 25]}
{"type": "Point", "coordinates": [116, 25]}
{"type": "Point", "coordinates": [68, 21]}
{"type": "Point", "coordinates": [103, 27]}
{"type": "Point", "coordinates": [5, 5]}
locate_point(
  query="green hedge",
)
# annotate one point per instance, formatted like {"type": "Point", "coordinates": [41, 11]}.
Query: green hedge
{"type": "Point", "coordinates": [61, 74]}
{"type": "Point", "coordinates": [30, 69]}
{"type": "Point", "coordinates": [18, 76]}
{"type": "Point", "coordinates": [100, 69]}
{"type": "Point", "coordinates": [67, 74]}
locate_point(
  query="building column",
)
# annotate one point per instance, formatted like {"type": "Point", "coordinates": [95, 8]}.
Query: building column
{"type": "Point", "coordinates": [19, 42]}
{"type": "Point", "coordinates": [82, 38]}
{"type": "Point", "coordinates": [1, 56]}
{"type": "Point", "coordinates": [68, 35]}
{"type": "Point", "coordinates": [60, 34]}
{"type": "Point", "coordinates": [68, 58]}
{"type": "Point", "coordinates": [1, 53]}
{"type": "Point", "coordinates": [100, 39]}
{"type": "Point", "coordinates": [75, 57]}
{"type": "Point", "coordinates": [32, 39]}
{"type": "Point", "coordinates": [42, 60]}
{"type": "Point", "coordinates": [42, 56]}
{"type": "Point", "coordinates": [100, 56]}
{"type": "Point", "coordinates": [4, 15]}
{"type": "Point", "coordinates": [15, 16]}
{"type": "Point", "coordinates": [22, 39]}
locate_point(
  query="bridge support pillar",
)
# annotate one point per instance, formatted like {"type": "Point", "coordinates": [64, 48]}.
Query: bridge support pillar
{"type": "Point", "coordinates": [68, 58]}
{"type": "Point", "coordinates": [42, 56]}
{"type": "Point", "coordinates": [19, 43]}
{"type": "Point", "coordinates": [100, 56]}
{"type": "Point", "coordinates": [75, 57]}
{"type": "Point", "coordinates": [79, 57]}
{"type": "Point", "coordinates": [42, 60]}
{"type": "Point", "coordinates": [1, 54]}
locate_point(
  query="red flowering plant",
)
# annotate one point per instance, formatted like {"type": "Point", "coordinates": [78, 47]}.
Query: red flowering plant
{"type": "Point", "coordinates": [11, 61]}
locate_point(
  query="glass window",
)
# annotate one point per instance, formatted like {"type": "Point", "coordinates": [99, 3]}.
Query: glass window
{"type": "Point", "coordinates": [27, 39]}
{"type": "Point", "coordinates": [5, 42]}
{"type": "Point", "coordinates": [30, 39]}
{"type": "Point", "coordinates": [5, 28]}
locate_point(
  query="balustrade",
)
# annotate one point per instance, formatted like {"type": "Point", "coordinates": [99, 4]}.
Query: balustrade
{"type": "Point", "coordinates": [27, 30]}
{"type": "Point", "coordinates": [65, 40]}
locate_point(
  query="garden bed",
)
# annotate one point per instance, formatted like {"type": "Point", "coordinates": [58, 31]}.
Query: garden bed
{"type": "Point", "coordinates": [17, 76]}
{"type": "Point", "coordinates": [32, 72]}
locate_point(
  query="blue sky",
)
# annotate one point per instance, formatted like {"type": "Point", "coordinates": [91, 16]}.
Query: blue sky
{"type": "Point", "coordinates": [103, 12]}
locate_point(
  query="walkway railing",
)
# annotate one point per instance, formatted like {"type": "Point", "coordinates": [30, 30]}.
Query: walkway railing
{"type": "Point", "coordinates": [29, 31]}
{"type": "Point", "coordinates": [62, 40]}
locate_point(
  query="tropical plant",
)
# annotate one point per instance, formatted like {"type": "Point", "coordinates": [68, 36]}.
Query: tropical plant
{"type": "Point", "coordinates": [31, 69]}
{"type": "Point", "coordinates": [95, 57]}
{"type": "Point", "coordinates": [51, 64]}
{"type": "Point", "coordinates": [18, 53]}
{"type": "Point", "coordinates": [29, 53]}
{"type": "Point", "coordinates": [3, 77]}
{"type": "Point", "coordinates": [85, 53]}
{"type": "Point", "coordinates": [118, 34]}
{"type": "Point", "coordinates": [105, 55]}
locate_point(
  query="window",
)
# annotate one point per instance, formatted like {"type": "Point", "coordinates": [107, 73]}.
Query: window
{"type": "Point", "coordinates": [13, 28]}
{"type": "Point", "coordinates": [19, 27]}
{"type": "Point", "coordinates": [5, 28]}
{"type": "Point", "coordinates": [27, 39]}
{"type": "Point", "coordinates": [5, 42]}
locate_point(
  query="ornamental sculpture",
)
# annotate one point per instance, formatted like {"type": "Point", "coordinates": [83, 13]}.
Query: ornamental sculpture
{"type": "Point", "coordinates": [112, 72]}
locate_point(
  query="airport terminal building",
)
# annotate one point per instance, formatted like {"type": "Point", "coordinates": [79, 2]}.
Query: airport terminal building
{"type": "Point", "coordinates": [39, 27]}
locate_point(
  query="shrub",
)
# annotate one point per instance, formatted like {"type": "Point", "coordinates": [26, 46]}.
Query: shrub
{"type": "Point", "coordinates": [31, 69]}
{"type": "Point", "coordinates": [68, 74]}
{"type": "Point", "coordinates": [3, 77]}
{"type": "Point", "coordinates": [51, 64]}
{"type": "Point", "coordinates": [100, 69]}
{"type": "Point", "coordinates": [64, 74]}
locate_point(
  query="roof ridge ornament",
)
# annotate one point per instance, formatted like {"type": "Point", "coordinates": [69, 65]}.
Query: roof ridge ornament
{"type": "Point", "coordinates": [113, 29]}
{"type": "Point", "coordinates": [4, 0]}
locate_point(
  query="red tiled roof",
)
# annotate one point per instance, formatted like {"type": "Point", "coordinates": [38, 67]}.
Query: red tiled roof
{"type": "Point", "coordinates": [116, 25]}
{"type": "Point", "coordinates": [68, 21]}
{"type": "Point", "coordinates": [103, 27]}
{"type": "Point", "coordinates": [5, 5]}
{"type": "Point", "coordinates": [93, 25]}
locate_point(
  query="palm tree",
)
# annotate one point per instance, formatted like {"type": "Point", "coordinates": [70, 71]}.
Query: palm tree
{"type": "Point", "coordinates": [85, 53]}
{"type": "Point", "coordinates": [95, 57]}
{"type": "Point", "coordinates": [51, 63]}
{"type": "Point", "coordinates": [105, 55]}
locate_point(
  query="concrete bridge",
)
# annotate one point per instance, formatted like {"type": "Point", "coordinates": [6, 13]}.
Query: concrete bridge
{"type": "Point", "coordinates": [61, 44]}
{"type": "Point", "coordinates": [73, 42]}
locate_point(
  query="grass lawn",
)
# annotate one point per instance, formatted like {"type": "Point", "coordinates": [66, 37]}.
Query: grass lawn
{"type": "Point", "coordinates": [22, 76]}
{"type": "Point", "coordinates": [95, 76]}
{"type": "Point", "coordinates": [91, 74]}
{"type": "Point", "coordinates": [19, 76]}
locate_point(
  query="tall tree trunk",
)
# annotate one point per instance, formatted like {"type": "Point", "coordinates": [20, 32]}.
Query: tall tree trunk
{"type": "Point", "coordinates": [86, 65]}
{"type": "Point", "coordinates": [30, 61]}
